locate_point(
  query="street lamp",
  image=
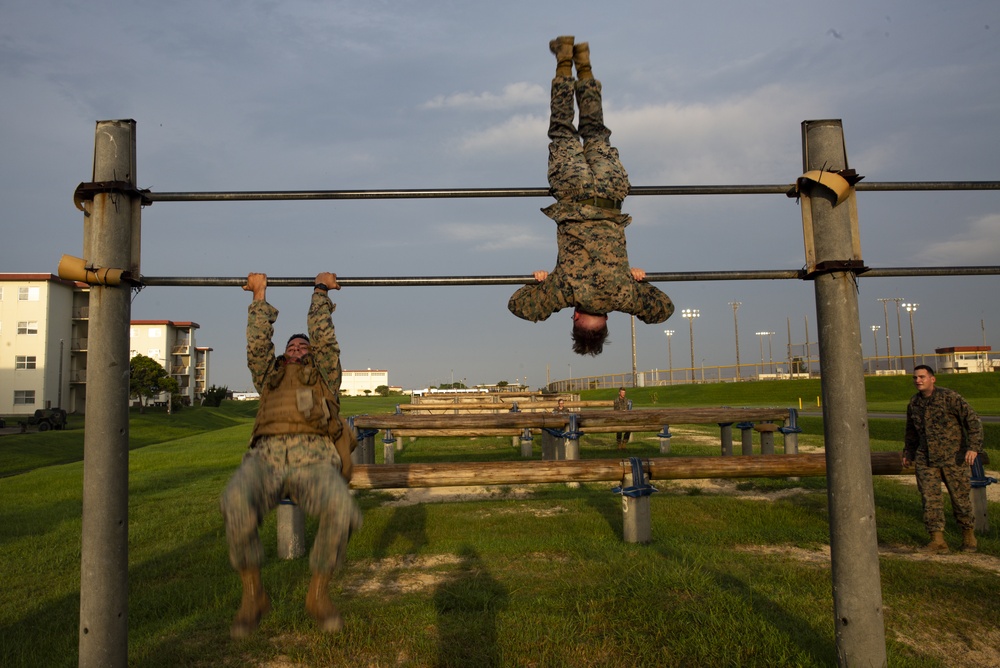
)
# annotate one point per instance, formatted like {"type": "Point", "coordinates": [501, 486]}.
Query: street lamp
{"type": "Point", "coordinates": [875, 329]}
{"type": "Point", "coordinates": [670, 353]}
{"type": "Point", "coordinates": [899, 330]}
{"type": "Point", "coordinates": [736, 326]}
{"type": "Point", "coordinates": [911, 308]}
{"type": "Point", "coordinates": [691, 314]}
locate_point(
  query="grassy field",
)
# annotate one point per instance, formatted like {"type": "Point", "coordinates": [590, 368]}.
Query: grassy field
{"type": "Point", "coordinates": [737, 573]}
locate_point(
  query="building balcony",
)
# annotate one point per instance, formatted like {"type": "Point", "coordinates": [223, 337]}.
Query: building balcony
{"type": "Point", "coordinates": [78, 376]}
{"type": "Point", "coordinates": [181, 350]}
{"type": "Point", "coordinates": [78, 344]}
{"type": "Point", "coordinates": [180, 370]}
{"type": "Point", "coordinates": [82, 313]}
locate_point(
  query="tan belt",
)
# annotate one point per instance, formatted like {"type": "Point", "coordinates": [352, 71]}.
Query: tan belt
{"type": "Point", "coordinates": [603, 202]}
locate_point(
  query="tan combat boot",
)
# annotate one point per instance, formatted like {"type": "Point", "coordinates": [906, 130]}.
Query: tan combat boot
{"type": "Point", "coordinates": [319, 606]}
{"type": "Point", "coordinates": [253, 607]}
{"type": "Point", "coordinates": [969, 543]}
{"type": "Point", "coordinates": [937, 544]}
{"type": "Point", "coordinates": [562, 47]}
{"type": "Point", "coordinates": [581, 58]}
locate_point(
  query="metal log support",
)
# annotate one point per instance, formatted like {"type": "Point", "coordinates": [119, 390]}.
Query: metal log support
{"type": "Point", "coordinates": [857, 594]}
{"type": "Point", "coordinates": [110, 233]}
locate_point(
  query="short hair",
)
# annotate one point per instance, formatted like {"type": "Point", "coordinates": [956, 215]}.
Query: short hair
{"type": "Point", "coordinates": [925, 368]}
{"type": "Point", "coordinates": [589, 341]}
{"type": "Point", "coordinates": [296, 336]}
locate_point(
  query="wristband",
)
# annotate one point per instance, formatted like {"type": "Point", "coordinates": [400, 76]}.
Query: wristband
{"type": "Point", "coordinates": [321, 286]}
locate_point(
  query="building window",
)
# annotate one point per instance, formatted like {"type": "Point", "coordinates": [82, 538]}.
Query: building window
{"type": "Point", "coordinates": [24, 362]}
{"type": "Point", "coordinates": [24, 397]}
{"type": "Point", "coordinates": [154, 332]}
{"type": "Point", "coordinates": [154, 353]}
{"type": "Point", "coordinates": [27, 294]}
{"type": "Point", "coordinates": [27, 327]}
{"type": "Point", "coordinates": [1, 294]}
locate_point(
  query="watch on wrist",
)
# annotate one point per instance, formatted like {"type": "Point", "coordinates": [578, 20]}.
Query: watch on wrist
{"type": "Point", "coordinates": [321, 286]}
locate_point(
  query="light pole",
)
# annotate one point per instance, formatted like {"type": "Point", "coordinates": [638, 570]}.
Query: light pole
{"type": "Point", "coordinates": [911, 308]}
{"type": "Point", "coordinates": [736, 326]}
{"type": "Point", "coordinates": [769, 355]}
{"type": "Point", "coordinates": [885, 312]}
{"type": "Point", "coordinates": [691, 314]}
{"type": "Point", "coordinates": [899, 330]}
{"type": "Point", "coordinates": [670, 353]}
{"type": "Point", "coordinates": [569, 383]}
{"type": "Point", "coordinates": [875, 329]}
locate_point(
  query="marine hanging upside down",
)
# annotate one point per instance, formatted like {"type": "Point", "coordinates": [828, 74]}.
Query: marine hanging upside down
{"type": "Point", "coordinates": [592, 271]}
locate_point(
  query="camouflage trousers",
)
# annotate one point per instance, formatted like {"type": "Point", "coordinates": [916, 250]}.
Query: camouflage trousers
{"type": "Point", "coordinates": [956, 479]}
{"type": "Point", "coordinates": [304, 468]}
{"type": "Point", "coordinates": [591, 169]}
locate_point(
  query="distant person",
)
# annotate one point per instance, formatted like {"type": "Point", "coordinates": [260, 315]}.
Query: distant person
{"type": "Point", "coordinates": [943, 438]}
{"type": "Point", "coordinates": [592, 272]}
{"type": "Point", "coordinates": [300, 449]}
{"type": "Point", "coordinates": [622, 404]}
{"type": "Point", "coordinates": [561, 407]}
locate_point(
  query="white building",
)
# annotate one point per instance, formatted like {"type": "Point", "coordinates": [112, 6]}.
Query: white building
{"type": "Point", "coordinates": [39, 337]}
{"type": "Point", "coordinates": [172, 345]}
{"type": "Point", "coordinates": [355, 383]}
{"type": "Point", "coordinates": [965, 359]}
{"type": "Point", "coordinates": [43, 346]}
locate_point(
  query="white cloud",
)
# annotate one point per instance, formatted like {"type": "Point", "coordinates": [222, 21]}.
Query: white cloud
{"type": "Point", "coordinates": [520, 94]}
{"type": "Point", "coordinates": [518, 133]}
{"type": "Point", "coordinates": [979, 244]}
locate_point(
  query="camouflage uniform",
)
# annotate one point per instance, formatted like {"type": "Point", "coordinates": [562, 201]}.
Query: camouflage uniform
{"type": "Point", "coordinates": [621, 404]}
{"type": "Point", "coordinates": [592, 271]}
{"type": "Point", "coordinates": [304, 467]}
{"type": "Point", "coordinates": [939, 430]}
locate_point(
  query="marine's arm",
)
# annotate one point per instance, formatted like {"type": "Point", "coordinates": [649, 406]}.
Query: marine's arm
{"type": "Point", "coordinates": [260, 330]}
{"type": "Point", "coordinates": [322, 336]}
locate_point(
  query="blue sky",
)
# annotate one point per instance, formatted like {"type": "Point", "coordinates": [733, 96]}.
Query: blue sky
{"type": "Point", "coordinates": [302, 95]}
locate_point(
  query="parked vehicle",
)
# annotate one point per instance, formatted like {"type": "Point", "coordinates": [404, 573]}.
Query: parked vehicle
{"type": "Point", "coordinates": [47, 418]}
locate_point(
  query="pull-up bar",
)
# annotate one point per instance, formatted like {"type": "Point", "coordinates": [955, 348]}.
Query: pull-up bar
{"type": "Point", "coordinates": [452, 193]}
{"type": "Point", "coordinates": [661, 277]}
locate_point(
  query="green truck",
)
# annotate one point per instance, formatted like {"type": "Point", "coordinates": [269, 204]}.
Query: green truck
{"type": "Point", "coordinates": [45, 419]}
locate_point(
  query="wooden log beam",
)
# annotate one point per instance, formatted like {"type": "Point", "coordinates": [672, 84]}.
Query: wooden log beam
{"type": "Point", "coordinates": [586, 419]}
{"type": "Point", "coordinates": [392, 476]}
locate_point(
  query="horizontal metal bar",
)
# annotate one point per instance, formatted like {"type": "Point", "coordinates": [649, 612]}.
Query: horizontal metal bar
{"type": "Point", "coordinates": [446, 193]}
{"type": "Point", "coordinates": [662, 277]}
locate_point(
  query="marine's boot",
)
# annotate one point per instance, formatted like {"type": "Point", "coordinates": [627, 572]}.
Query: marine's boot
{"type": "Point", "coordinates": [969, 543]}
{"type": "Point", "coordinates": [253, 607]}
{"type": "Point", "coordinates": [319, 606]}
{"type": "Point", "coordinates": [581, 58]}
{"type": "Point", "coordinates": [562, 47]}
{"type": "Point", "coordinates": [937, 544]}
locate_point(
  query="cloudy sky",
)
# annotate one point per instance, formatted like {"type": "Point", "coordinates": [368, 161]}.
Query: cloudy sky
{"type": "Point", "coordinates": [329, 95]}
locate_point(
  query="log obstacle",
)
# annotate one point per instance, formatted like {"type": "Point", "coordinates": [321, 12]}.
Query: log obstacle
{"type": "Point", "coordinates": [636, 516]}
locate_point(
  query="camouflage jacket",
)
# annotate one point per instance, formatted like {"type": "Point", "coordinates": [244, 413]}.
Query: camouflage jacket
{"type": "Point", "coordinates": [592, 272]}
{"type": "Point", "coordinates": [621, 403]}
{"type": "Point", "coordinates": [325, 353]}
{"type": "Point", "coordinates": [943, 425]}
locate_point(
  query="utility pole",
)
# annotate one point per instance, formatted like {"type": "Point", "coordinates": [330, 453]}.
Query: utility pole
{"type": "Point", "coordinates": [736, 326]}
{"type": "Point", "coordinates": [885, 312]}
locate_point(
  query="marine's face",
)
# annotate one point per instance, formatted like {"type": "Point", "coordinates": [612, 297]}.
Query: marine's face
{"type": "Point", "coordinates": [924, 381]}
{"type": "Point", "coordinates": [297, 349]}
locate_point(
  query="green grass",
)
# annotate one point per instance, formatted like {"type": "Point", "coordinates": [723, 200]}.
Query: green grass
{"type": "Point", "coordinates": [540, 581]}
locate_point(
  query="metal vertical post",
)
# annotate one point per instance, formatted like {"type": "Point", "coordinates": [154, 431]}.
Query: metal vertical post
{"type": "Point", "coordinates": [108, 242]}
{"type": "Point", "coordinates": [857, 594]}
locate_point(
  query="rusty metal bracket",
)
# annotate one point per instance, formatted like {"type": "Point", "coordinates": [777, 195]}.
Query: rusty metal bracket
{"type": "Point", "coordinates": [830, 266]}
{"type": "Point", "coordinates": [85, 192]}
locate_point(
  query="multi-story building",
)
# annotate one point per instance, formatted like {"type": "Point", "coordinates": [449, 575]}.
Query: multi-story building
{"type": "Point", "coordinates": [43, 346]}
{"type": "Point", "coordinates": [38, 337]}
{"type": "Point", "coordinates": [172, 345]}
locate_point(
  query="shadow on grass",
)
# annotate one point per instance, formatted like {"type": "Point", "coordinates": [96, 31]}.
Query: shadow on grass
{"type": "Point", "coordinates": [467, 605]}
